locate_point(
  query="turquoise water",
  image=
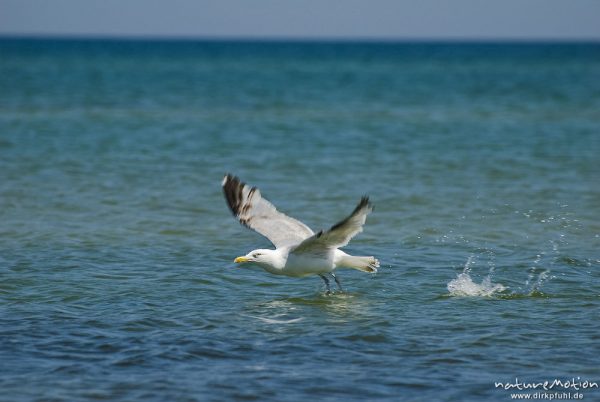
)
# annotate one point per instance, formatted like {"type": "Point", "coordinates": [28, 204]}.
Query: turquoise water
{"type": "Point", "coordinates": [116, 245]}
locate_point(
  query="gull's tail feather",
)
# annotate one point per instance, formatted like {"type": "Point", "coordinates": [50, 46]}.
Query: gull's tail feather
{"type": "Point", "coordinates": [365, 264]}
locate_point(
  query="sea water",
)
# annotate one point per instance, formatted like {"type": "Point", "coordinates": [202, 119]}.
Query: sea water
{"type": "Point", "coordinates": [117, 279]}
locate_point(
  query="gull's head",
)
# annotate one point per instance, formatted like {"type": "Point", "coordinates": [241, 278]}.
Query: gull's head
{"type": "Point", "coordinates": [263, 257]}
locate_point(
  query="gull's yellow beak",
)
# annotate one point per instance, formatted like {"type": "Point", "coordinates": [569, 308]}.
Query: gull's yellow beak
{"type": "Point", "coordinates": [241, 259]}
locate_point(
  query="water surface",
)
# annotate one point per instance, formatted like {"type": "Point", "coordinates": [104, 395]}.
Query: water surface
{"type": "Point", "coordinates": [116, 245]}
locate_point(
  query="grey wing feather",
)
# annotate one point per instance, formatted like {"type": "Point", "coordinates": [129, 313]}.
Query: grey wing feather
{"type": "Point", "coordinates": [256, 213]}
{"type": "Point", "coordinates": [339, 234]}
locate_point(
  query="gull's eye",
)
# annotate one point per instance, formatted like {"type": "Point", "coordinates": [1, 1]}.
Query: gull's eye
{"type": "Point", "coordinates": [256, 255]}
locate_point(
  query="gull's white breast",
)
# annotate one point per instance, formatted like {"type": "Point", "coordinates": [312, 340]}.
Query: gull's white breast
{"type": "Point", "coordinates": [299, 265]}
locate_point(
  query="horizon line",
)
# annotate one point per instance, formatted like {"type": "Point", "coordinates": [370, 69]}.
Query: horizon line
{"type": "Point", "coordinates": [297, 39]}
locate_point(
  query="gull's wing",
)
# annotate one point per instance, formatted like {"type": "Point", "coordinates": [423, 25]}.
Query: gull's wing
{"type": "Point", "coordinates": [340, 234]}
{"type": "Point", "coordinates": [256, 213]}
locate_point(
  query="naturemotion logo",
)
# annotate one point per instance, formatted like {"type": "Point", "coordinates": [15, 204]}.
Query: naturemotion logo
{"type": "Point", "coordinates": [555, 389]}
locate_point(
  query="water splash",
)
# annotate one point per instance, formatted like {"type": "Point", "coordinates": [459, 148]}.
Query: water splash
{"type": "Point", "coordinates": [463, 285]}
{"type": "Point", "coordinates": [536, 279]}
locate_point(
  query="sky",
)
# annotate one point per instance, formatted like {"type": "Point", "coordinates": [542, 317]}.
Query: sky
{"type": "Point", "coordinates": [306, 19]}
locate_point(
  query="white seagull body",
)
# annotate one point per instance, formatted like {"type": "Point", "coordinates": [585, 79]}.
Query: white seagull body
{"type": "Point", "coordinates": [299, 251]}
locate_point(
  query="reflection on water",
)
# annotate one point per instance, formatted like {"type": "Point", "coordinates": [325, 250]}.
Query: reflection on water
{"type": "Point", "coordinates": [338, 306]}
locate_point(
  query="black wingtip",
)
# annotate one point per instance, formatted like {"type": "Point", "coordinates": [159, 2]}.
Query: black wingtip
{"type": "Point", "coordinates": [228, 178]}
{"type": "Point", "coordinates": [364, 202]}
{"type": "Point", "coordinates": [232, 189]}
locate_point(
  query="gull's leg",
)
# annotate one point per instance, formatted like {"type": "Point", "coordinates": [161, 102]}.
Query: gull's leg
{"type": "Point", "coordinates": [337, 281]}
{"type": "Point", "coordinates": [326, 283]}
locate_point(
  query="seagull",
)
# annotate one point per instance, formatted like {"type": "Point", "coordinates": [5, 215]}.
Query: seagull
{"type": "Point", "coordinates": [299, 251]}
